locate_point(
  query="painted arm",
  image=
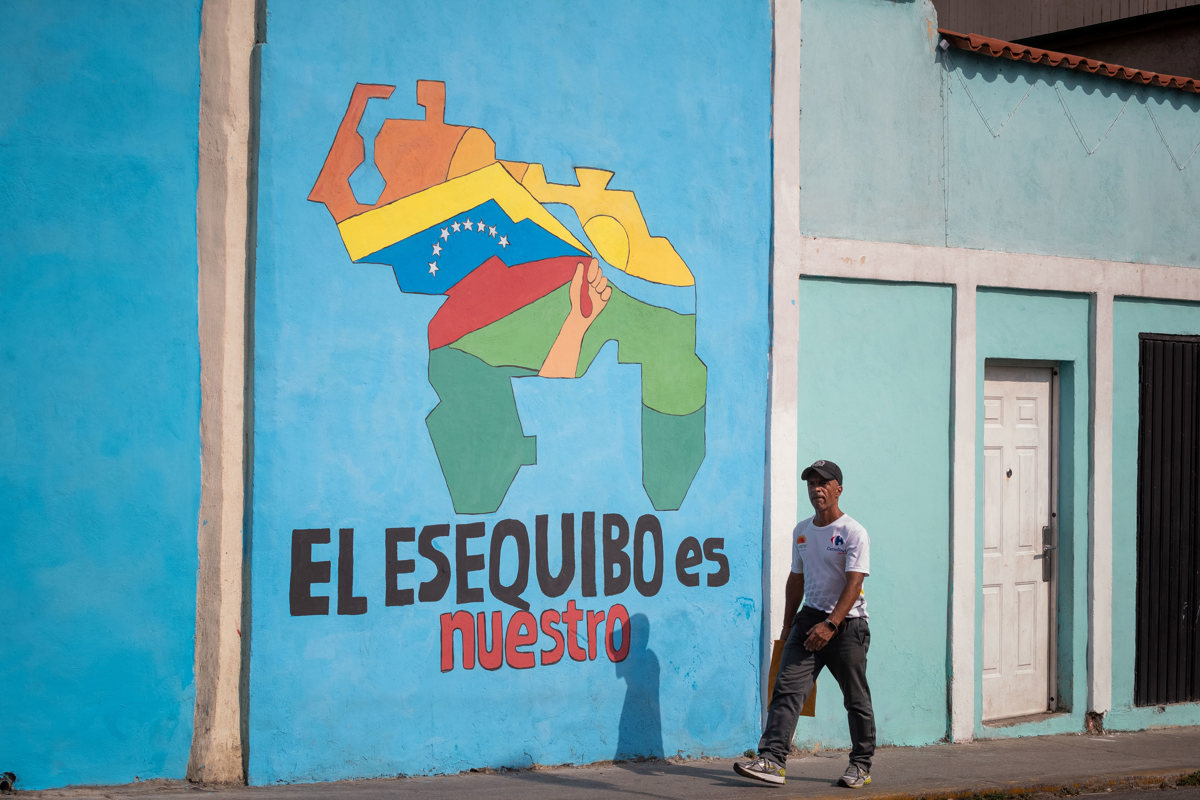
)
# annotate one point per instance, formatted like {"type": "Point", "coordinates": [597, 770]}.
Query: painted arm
{"type": "Point", "coordinates": [589, 295]}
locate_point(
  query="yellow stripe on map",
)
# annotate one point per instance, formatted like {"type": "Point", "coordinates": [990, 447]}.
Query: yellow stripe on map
{"type": "Point", "coordinates": [381, 227]}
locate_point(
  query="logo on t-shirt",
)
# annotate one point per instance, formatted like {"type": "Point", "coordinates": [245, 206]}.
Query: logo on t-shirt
{"type": "Point", "coordinates": [837, 540]}
{"type": "Point", "coordinates": [801, 539]}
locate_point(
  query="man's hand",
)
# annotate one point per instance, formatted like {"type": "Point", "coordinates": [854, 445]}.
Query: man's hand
{"type": "Point", "coordinates": [819, 635]}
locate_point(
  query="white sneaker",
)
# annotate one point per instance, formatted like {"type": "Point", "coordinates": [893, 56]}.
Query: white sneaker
{"type": "Point", "coordinates": [855, 777]}
{"type": "Point", "coordinates": [761, 769]}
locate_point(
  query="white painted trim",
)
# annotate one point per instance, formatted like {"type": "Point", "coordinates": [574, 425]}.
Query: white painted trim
{"type": "Point", "coordinates": [223, 206]}
{"type": "Point", "coordinates": [910, 263]}
{"type": "Point", "coordinates": [1100, 575]}
{"type": "Point", "coordinates": [962, 523]}
{"type": "Point", "coordinates": [786, 267]}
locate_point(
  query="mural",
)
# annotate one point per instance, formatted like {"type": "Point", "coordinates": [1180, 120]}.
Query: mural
{"type": "Point", "coordinates": [524, 295]}
{"type": "Point", "coordinates": [510, 337]}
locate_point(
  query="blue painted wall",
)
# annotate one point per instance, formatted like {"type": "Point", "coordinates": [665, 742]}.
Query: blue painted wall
{"type": "Point", "coordinates": [99, 400]}
{"type": "Point", "coordinates": [862, 405]}
{"type": "Point", "coordinates": [1130, 318]}
{"type": "Point", "coordinates": [675, 99]}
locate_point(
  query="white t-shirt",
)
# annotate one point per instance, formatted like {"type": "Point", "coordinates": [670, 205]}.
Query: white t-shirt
{"type": "Point", "coordinates": [825, 554]}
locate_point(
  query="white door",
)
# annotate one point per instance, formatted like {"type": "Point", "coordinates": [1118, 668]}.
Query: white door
{"type": "Point", "coordinates": [1017, 542]}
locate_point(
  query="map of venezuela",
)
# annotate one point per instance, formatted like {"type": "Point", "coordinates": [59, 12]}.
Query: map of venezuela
{"type": "Point", "coordinates": [524, 296]}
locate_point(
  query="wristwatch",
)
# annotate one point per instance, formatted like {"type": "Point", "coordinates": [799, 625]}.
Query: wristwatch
{"type": "Point", "coordinates": [831, 624]}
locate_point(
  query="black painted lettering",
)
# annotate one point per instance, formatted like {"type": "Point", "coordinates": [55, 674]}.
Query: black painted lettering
{"type": "Point", "coordinates": [306, 572]}
{"type": "Point", "coordinates": [687, 557]}
{"type": "Point", "coordinates": [394, 566]}
{"type": "Point", "coordinates": [616, 560]}
{"type": "Point", "coordinates": [509, 593]}
{"type": "Point", "coordinates": [435, 588]}
{"type": "Point", "coordinates": [647, 524]}
{"type": "Point", "coordinates": [587, 554]}
{"type": "Point", "coordinates": [348, 604]}
{"type": "Point", "coordinates": [465, 563]}
{"type": "Point", "coordinates": [712, 551]}
{"type": "Point", "coordinates": [555, 585]}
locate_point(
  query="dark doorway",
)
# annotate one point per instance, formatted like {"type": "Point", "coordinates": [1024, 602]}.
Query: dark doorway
{"type": "Point", "coordinates": [1168, 519]}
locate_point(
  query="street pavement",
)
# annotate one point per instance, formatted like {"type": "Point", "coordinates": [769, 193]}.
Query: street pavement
{"type": "Point", "coordinates": [1063, 765]}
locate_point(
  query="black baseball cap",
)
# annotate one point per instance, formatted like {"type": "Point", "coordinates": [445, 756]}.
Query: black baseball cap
{"type": "Point", "coordinates": [826, 469]}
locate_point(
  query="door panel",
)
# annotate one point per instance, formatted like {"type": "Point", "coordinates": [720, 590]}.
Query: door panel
{"type": "Point", "coordinates": [1017, 668]}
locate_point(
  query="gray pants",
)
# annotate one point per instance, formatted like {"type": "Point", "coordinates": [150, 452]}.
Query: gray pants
{"type": "Point", "coordinates": [846, 657]}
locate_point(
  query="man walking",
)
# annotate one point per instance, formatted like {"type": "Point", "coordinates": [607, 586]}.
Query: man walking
{"type": "Point", "coordinates": [830, 559]}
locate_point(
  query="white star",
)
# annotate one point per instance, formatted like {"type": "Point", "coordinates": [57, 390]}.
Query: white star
{"type": "Point", "coordinates": [479, 226]}
{"type": "Point", "coordinates": [504, 241]}
{"type": "Point", "coordinates": [433, 268]}
{"type": "Point", "coordinates": [445, 234]}
{"type": "Point", "coordinates": [437, 248]}
{"type": "Point", "coordinates": [455, 227]}
{"type": "Point", "coordinates": [469, 225]}
{"type": "Point", "coordinates": [492, 231]}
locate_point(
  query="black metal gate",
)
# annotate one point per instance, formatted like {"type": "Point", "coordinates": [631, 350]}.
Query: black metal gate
{"type": "Point", "coordinates": [1168, 520]}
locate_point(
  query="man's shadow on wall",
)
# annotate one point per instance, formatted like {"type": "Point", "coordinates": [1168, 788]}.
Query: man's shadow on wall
{"type": "Point", "coordinates": [640, 733]}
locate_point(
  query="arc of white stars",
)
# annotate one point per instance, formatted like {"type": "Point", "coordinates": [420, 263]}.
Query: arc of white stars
{"type": "Point", "coordinates": [456, 227]}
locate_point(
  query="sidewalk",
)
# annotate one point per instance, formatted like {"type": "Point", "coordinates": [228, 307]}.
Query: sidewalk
{"type": "Point", "coordinates": [1066, 764]}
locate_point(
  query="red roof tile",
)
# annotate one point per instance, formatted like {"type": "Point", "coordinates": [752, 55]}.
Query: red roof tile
{"type": "Point", "coordinates": [998, 48]}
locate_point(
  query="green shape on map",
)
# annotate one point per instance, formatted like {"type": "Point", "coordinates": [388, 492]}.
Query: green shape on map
{"type": "Point", "coordinates": [672, 451]}
{"type": "Point", "coordinates": [663, 341]}
{"type": "Point", "coordinates": [475, 429]}
{"type": "Point", "coordinates": [521, 339]}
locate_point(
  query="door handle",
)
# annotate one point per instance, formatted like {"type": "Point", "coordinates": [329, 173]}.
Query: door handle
{"type": "Point", "coordinates": [1047, 549]}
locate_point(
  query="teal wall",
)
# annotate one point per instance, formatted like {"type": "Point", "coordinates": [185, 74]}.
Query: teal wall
{"type": "Point", "coordinates": [871, 143]}
{"type": "Point", "coordinates": [901, 141]}
{"type": "Point", "coordinates": [674, 98]}
{"type": "Point", "coordinates": [1061, 162]}
{"type": "Point", "coordinates": [99, 394]}
{"type": "Point", "coordinates": [1130, 318]}
{"type": "Point", "coordinates": [861, 404]}
{"type": "Point", "coordinates": [1048, 328]}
